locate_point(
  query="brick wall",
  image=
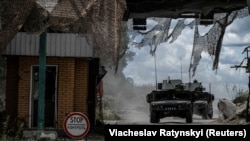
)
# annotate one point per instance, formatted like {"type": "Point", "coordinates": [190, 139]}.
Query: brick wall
{"type": "Point", "coordinates": [65, 88]}
{"type": "Point", "coordinates": [24, 85]}
{"type": "Point", "coordinates": [71, 85]}
{"type": "Point", "coordinates": [81, 86]}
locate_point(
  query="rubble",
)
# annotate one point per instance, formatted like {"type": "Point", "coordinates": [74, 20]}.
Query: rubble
{"type": "Point", "coordinates": [232, 113]}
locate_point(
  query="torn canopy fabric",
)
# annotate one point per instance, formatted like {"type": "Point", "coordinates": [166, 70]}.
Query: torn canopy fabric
{"type": "Point", "coordinates": [211, 42]}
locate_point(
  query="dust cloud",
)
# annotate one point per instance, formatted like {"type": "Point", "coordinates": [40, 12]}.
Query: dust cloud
{"type": "Point", "coordinates": [124, 98]}
{"type": "Point", "coordinates": [128, 100]}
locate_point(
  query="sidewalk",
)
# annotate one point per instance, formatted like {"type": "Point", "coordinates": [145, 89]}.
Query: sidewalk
{"type": "Point", "coordinates": [92, 137]}
{"type": "Point", "coordinates": [95, 133]}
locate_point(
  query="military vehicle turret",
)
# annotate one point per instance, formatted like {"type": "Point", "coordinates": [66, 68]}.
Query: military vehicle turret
{"type": "Point", "coordinates": [174, 98]}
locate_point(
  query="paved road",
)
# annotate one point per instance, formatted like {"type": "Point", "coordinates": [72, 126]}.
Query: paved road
{"type": "Point", "coordinates": [168, 120]}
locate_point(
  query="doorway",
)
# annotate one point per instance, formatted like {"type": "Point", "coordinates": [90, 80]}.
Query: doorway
{"type": "Point", "coordinates": [50, 115]}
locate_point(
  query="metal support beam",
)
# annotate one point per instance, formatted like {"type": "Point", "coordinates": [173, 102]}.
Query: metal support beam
{"type": "Point", "coordinates": [247, 107]}
{"type": "Point", "coordinates": [247, 50]}
{"type": "Point", "coordinates": [139, 24]}
{"type": "Point", "coordinates": [248, 5]}
{"type": "Point", "coordinates": [41, 82]}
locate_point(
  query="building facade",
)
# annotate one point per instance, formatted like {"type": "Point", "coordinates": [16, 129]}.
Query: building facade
{"type": "Point", "coordinates": [72, 75]}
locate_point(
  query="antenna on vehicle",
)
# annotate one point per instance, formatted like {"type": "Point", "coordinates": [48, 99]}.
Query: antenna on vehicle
{"type": "Point", "coordinates": [210, 88]}
{"type": "Point", "coordinates": [155, 71]}
{"type": "Point", "coordinates": [181, 67]}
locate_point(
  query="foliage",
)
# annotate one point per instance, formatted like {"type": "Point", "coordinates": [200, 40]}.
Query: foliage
{"type": "Point", "coordinates": [241, 97]}
{"type": "Point", "coordinates": [2, 104]}
{"type": "Point", "coordinates": [10, 128]}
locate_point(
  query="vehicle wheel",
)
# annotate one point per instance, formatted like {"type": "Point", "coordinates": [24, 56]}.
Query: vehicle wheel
{"type": "Point", "coordinates": [210, 115]}
{"type": "Point", "coordinates": [204, 114]}
{"type": "Point", "coordinates": [210, 110]}
{"type": "Point", "coordinates": [189, 116]}
{"type": "Point", "coordinates": [154, 117]}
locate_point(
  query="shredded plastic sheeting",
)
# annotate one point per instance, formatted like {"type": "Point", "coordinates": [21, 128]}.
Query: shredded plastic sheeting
{"type": "Point", "coordinates": [211, 42]}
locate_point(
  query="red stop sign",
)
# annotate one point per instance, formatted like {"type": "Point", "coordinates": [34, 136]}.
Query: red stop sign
{"type": "Point", "coordinates": [76, 125]}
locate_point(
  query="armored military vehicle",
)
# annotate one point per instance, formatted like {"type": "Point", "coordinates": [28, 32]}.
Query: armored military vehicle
{"type": "Point", "coordinates": [203, 101]}
{"type": "Point", "coordinates": [174, 98]}
{"type": "Point", "coordinates": [171, 99]}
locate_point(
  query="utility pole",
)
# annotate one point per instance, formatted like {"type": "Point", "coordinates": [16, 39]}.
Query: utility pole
{"type": "Point", "coordinates": [42, 81]}
{"type": "Point", "coordinates": [247, 71]}
{"type": "Point", "coordinates": [42, 76]}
